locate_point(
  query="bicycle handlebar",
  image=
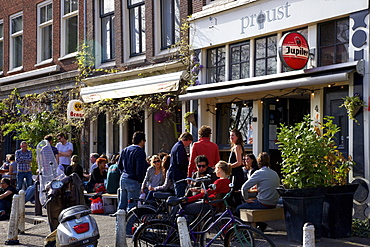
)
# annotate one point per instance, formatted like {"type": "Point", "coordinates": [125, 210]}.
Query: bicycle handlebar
{"type": "Point", "coordinates": [201, 179]}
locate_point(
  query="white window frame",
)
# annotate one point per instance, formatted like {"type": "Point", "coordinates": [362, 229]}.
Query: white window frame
{"type": "Point", "coordinates": [63, 43]}
{"type": "Point", "coordinates": [98, 37]}
{"type": "Point", "coordinates": [2, 51]}
{"type": "Point", "coordinates": [158, 31]}
{"type": "Point", "coordinates": [13, 68]}
{"type": "Point", "coordinates": [40, 27]}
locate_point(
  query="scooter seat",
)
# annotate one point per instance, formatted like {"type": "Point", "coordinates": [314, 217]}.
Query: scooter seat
{"type": "Point", "coordinates": [73, 213]}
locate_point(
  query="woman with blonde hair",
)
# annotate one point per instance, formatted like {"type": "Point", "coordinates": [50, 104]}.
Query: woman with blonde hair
{"type": "Point", "coordinates": [155, 174]}
{"type": "Point", "coordinates": [74, 167]}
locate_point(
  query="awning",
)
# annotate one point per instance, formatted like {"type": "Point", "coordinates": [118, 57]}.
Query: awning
{"type": "Point", "coordinates": [148, 85]}
{"type": "Point", "coordinates": [274, 85]}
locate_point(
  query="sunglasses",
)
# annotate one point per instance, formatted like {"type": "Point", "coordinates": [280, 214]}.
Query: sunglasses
{"type": "Point", "coordinates": [156, 161]}
{"type": "Point", "coordinates": [200, 166]}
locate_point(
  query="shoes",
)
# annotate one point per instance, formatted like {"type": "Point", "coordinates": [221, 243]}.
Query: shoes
{"type": "Point", "coordinates": [261, 226]}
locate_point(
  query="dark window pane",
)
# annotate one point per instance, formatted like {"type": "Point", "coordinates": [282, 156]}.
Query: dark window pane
{"type": "Point", "coordinates": [342, 53]}
{"type": "Point", "coordinates": [260, 48]}
{"type": "Point", "coordinates": [235, 54]}
{"type": "Point", "coordinates": [244, 56]}
{"type": "Point", "coordinates": [216, 65]}
{"type": "Point", "coordinates": [342, 31]}
{"type": "Point", "coordinates": [244, 70]}
{"type": "Point", "coordinates": [46, 42]}
{"type": "Point", "coordinates": [1, 30]}
{"type": "Point", "coordinates": [17, 51]}
{"type": "Point", "coordinates": [1, 55]}
{"type": "Point", "coordinates": [327, 56]}
{"type": "Point", "coordinates": [271, 66]}
{"type": "Point", "coordinates": [72, 34]}
{"type": "Point", "coordinates": [271, 46]}
{"type": "Point", "coordinates": [235, 72]}
{"type": "Point", "coordinates": [17, 24]}
{"type": "Point", "coordinates": [327, 34]}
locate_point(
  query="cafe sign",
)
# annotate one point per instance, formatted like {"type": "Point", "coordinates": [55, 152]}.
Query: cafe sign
{"type": "Point", "coordinates": [294, 51]}
{"type": "Point", "coordinates": [75, 109]}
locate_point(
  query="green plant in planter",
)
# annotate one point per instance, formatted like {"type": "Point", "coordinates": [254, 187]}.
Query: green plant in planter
{"type": "Point", "coordinates": [310, 155]}
{"type": "Point", "coordinates": [353, 104]}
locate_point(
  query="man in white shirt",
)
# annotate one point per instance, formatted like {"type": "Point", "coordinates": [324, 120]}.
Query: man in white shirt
{"type": "Point", "coordinates": [65, 150]}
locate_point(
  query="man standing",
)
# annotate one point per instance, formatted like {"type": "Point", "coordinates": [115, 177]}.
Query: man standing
{"type": "Point", "coordinates": [65, 150]}
{"type": "Point", "coordinates": [132, 164]}
{"type": "Point", "coordinates": [204, 147]}
{"type": "Point", "coordinates": [179, 163]}
{"type": "Point", "coordinates": [23, 157]}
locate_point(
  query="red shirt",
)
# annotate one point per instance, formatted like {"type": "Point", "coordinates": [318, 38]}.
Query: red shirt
{"type": "Point", "coordinates": [203, 147]}
{"type": "Point", "coordinates": [222, 186]}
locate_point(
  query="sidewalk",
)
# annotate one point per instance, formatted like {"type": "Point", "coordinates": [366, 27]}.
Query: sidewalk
{"type": "Point", "coordinates": [37, 228]}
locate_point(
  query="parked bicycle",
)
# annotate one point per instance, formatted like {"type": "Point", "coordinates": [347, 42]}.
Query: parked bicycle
{"type": "Point", "coordinates": [163, 231]}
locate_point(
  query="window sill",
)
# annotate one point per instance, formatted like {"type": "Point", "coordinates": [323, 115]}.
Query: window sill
{"type": "Point", "coordinates": [107, 65]}
{"type": "Point", "coordinates": [68, 56]}
{"type": "Point", "coordinates": [48, 61]}
{"type": "Point", "coordinates": [15, 70]}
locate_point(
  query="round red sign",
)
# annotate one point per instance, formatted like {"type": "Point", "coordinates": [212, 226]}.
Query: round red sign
{"type": "Point", "coordinates": [293, 50]}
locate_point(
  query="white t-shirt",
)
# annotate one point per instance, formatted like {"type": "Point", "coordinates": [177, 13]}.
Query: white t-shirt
{"type": "Point", "coordinates": [64, 160]}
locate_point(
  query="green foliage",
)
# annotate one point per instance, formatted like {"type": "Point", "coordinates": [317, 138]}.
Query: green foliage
{"type": "Point", "coordinates": [361, 228]}
{"type": "Point", "coordinates": [352, 105]}
{"type": "Point", "coordinates": [186, 120]}
{"type": "Point", "coordinates": [310, 156]}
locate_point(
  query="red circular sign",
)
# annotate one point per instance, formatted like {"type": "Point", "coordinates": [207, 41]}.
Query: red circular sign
{"type": "Point", "coordinates": [293, 50]}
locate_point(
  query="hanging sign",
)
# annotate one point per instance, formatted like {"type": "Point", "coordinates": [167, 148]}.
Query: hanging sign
{"type": "Point", "coordinates": [294, 51]}
{"type": "Point", "coordinates": [75, 109]}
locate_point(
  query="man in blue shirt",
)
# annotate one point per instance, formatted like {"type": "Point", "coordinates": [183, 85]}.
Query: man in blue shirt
{"type": "Point", "coordinates": [23, 157]}
{"type": "Point", "coordinates": [132, 164]}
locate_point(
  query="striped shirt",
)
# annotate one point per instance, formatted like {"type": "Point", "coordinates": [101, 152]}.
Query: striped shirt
{"type": "Point", "coordinates": [23, 160]}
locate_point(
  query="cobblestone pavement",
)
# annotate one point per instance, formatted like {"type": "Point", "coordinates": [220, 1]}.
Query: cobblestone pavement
{"type": "Point", "coordinates": [37, 228]}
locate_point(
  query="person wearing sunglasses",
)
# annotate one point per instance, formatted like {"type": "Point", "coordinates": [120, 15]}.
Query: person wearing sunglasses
{"type": "Point", "coordinates": [154, 175]}
{"type": "Point", "coordinates": [203, 169]}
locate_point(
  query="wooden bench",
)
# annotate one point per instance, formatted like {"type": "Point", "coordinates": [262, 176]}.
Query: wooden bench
{"type": "Point", "coordinates": [259, 215]}
{"type": "Point", "coordinates": [110, 201]}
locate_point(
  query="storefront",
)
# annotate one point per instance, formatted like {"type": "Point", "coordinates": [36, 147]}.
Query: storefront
{"type": "Point", "coordinates": [245, 85]}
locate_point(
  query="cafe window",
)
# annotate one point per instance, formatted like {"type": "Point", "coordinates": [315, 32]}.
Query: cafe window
{"type": "Point", "coordinates": [265, 56]}
{"type": "Point", "coordinates": [333, 42]}
{"type": "Point", "coordinates": [239, 60]}
{"type": "Point", "coordinates": [238, 115]}
{"type": "Point", "coordinates": [216, 65]}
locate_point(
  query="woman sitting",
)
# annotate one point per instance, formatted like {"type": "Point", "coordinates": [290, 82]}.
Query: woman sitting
{"type": "Point", "coordinates": [154, 175]}
{"type": "Point", "coordinates": [7, 192]}
{"type": "Point", "coordinates": [74, 167]}
{"type": "Point", "coordinates": [98, 175]}
{"type": "Point", "coordinates": [219, 188]}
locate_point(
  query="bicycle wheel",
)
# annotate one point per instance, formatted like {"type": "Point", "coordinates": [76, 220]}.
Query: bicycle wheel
{"type": "Point", "coordinates": [244, 235]}
{"type": "Point", "coordinates": [157, 234]}
{"type": "Point", "coordinates": [214, 229]}
{"type": "Point", "coordinates": [134, 217]}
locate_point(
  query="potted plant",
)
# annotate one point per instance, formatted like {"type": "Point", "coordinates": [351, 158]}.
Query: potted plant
{"type": "Point", "coordinates": [311, 164]}
{"type": "Point", "coordinates": [353, 104]}
{"type": "Point", "coordinates": [305, 175]}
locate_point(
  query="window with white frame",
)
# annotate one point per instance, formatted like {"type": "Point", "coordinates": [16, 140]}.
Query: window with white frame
{"type": "Point", "coordinates": [107, 29]}
{"type": "Point", "coordinates": [170, 23]}
{"type": "Point", "coordinates": [216, 64]}
{"type": "Point", "coordinates": [69, 37]}
{"type": "Point", "coordinates": [239, 60]}
{"type": "Point", "coordinates": [16, 40]}
{"type": "Point", "coordinates": [136, 10]}
{"type": "Point", "coordinates": [45, 31]}
{"type": "Point", "coordinates": [1, 44]}
{"type": "Point", "coordinates": [265, 56]}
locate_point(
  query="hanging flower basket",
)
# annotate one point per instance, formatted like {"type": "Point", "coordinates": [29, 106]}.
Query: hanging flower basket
{"type": "Point", "coordinates": [353, 105]}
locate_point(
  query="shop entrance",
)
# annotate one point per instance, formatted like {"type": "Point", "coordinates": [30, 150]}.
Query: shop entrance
{"type": "Point", "coordinates": [276, 111]}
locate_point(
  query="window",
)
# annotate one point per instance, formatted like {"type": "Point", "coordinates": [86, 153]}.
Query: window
{"type": "Point", "coordinates": [333, 42]}
{"type": "Point", "coordinates": [107, 29]}
{"type": "Point", "coordinates": [137, 26]}
{"type": "Point", "coordinates": [16, 41]}
{"type": "Point", "coordinates": [45, 31]}
{"type": "Point", "coordinates": [216, 65]}
{"type": "Point", "coordinates": [1, 45]}
{"type": "Point", "coordinates": [239, 61]}
{"type": "Point", "coordinates": [170, 22]}
{"type": "Point", "coordinates": [69, 27]}
{"type": "Point", "coordinates": [265, 56]}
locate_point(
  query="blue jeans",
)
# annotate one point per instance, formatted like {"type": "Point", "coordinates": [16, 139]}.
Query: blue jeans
{"type": "Point", "coordinates": [30, 193]}
{"type": "Point", "coordinates": [20, 178]}
{"type": "Point", "coordinates": [253, 205]}
{"type": "Point", "coordinates": [180, 188]}
{"type": "Point", "coordinates": [129, 189]}
{"type": "Point", "coordinates": [5, 205]}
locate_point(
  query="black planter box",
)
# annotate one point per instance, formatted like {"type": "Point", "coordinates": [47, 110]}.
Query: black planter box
{"type": "Point", "coordinates": [302, 206]}
{"type": "Point", "coordinates": [337, 211]}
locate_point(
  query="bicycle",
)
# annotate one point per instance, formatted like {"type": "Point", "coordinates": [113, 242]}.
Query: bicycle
{"type": "Point", "coordinates": [164, 232]}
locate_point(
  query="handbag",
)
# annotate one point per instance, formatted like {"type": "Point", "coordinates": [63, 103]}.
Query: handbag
{"type": "Point", "coordinates": [97, 205]}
